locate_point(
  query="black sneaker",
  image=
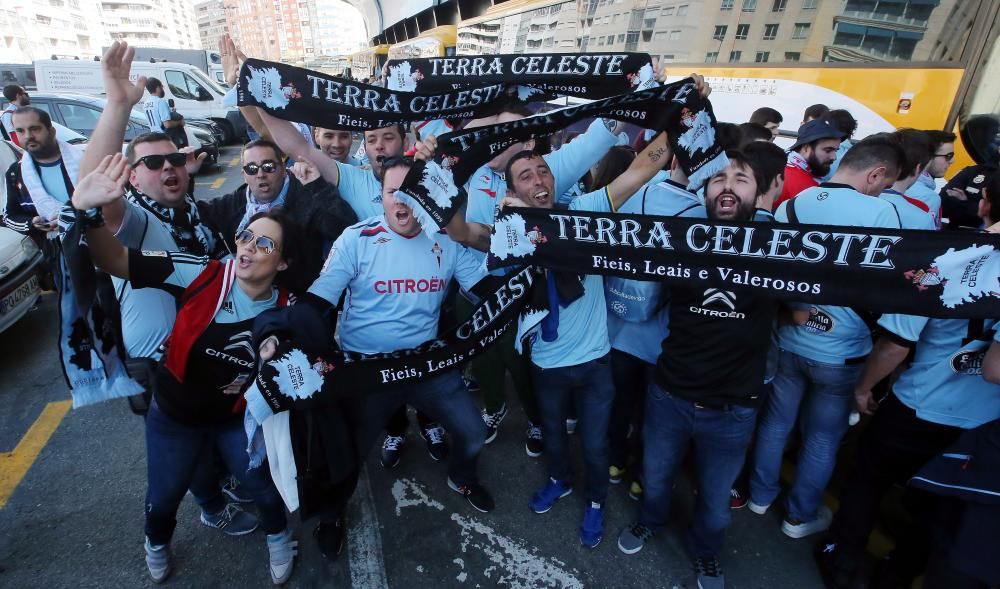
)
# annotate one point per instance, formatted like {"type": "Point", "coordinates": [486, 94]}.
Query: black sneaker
{"type": "Point", "coordinates": [533, 445]}
{"type": "Point", "coordinates": [836, 576]}
{"type": "Point", "coordinates": [392, 446]}
{"type": "Point", "coordinates": [437, 445]}
{"type": "Point", "coordinates": [476, 494]}
{"type": "Point", "coordinates": [492, 421]}
{"type": "Point", "coordinates": [708, 573]}
{"type": "Point", "coordinates": [330, 537]}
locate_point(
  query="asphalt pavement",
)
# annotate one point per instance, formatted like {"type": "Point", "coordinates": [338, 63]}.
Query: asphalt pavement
{"type": "Point", "coordinates": [72, 485]}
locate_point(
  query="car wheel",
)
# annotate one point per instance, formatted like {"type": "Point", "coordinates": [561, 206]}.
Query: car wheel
{"type": "Point", "coordinates": [229, 134]}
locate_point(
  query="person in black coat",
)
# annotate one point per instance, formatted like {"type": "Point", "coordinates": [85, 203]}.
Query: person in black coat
{"type": "Point", "coordinates": [308, 199]}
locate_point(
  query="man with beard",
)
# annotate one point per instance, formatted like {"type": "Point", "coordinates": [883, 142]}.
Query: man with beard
{"type": "Point", "coordinates": [39, 185]}
{"type": "Point", "coordinates": [821, 356]}
{"type": "Point", "coordinates": [705, 390]}
{"type": "Point", "coordinates": [17, 98]}
{"type": "Point", "coordinates": [810, 157]}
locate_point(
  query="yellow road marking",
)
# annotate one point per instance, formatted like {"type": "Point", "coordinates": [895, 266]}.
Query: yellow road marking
{"type": "Point", "coordinates": [14, 465]}
{"type": "Point", "coordinates": [234, 161]}
{"type": "Point", "coordinates": [218, 182]}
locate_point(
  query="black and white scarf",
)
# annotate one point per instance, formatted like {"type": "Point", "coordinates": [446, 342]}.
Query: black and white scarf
{"type": "Point", "coordinates": [537, 77]}
{"type": "Point", "coordinates": [183, 222]}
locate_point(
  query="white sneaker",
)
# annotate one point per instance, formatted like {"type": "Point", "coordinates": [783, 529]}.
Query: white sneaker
{"type": "Point", "coordinates": [570, 426]}
{"type": "Point", "coordinates": [282, 550]}
{"type": "Point", "coordinates": [158, 561]}
{"type": "Point", "coordinates": [824, 517]}
{"type": "Point", "coordinates": [758, 509]}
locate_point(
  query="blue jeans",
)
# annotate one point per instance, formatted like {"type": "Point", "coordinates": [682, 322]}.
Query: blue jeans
{"type": "Point", "coordinates": [174, 451]}
{"type": "Point", "coordinates": [824, 392]}
{"type": "Point", "coordinates": [442, 398]}
{"type": "Point", "coordinates": [589, 388]}
{"type": "Point", "coordinates": [720, 438]}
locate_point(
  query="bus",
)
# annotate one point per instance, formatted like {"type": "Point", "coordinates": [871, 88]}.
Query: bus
{"type": "Point", "coordinates": [367, 63]}
{"type": "Point", "coordinates": [436, 42]}
{"type": "Point", "coordinates": [926, 64]}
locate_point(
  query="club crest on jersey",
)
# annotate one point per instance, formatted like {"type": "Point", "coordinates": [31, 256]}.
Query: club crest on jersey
{"type": "Point", "coordinates": [968, 362]}
{"type": "Point", "coordinates": [436, 250]}
{"type": "Point", "coordinates": [819, 320]}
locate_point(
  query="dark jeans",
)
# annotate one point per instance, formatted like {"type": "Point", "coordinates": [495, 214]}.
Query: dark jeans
{"type": "Point", "coordinates": [444, 399]}
{"type": "Point", "coordinates": [589, 388]}
{"type": "Point", "coordinates": [174, 452]}
{"type": "Point", "coordinates": [893, 448]}
{"type": "Point", "coordinates": [631, 377]}
{"type": "Point", "coordinates": [720, 438]}
{"type": "Point", "coordinates": [399, 422]}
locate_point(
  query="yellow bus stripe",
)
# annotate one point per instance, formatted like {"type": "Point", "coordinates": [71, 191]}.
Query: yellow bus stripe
{"type": "Point", "coordinates": [14, 465]}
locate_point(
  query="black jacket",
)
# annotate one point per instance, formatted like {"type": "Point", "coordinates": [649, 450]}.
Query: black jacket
{"type": "Point", "coordinates": [317, 207]}
{"type": "Point", "coordinates": [20, 209]}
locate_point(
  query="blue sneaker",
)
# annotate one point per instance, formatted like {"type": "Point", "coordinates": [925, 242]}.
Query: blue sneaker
{"type": "Point", "coordinates": [553, 491]}
{"type": "Point", "coordinates": [592, 528]}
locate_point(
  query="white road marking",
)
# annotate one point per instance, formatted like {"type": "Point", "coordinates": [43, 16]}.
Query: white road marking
{"type": "Point", "coordinates": [514, 564]}
{"type": "Point", "coordinates": [364, 543]}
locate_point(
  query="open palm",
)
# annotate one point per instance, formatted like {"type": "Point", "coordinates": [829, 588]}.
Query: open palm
{"type": "Point", "coordinates": [116, 66]}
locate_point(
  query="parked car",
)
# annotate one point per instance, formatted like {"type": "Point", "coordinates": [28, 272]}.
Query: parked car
{"type": "Point", "coordinates": [80, 113]}
{"type": "Point", "coordinates": [20, 260]}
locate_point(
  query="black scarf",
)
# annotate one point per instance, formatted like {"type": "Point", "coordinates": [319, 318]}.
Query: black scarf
{"type": "Point", "coordinates": [928, 273]}
{"type": "Point", "coordinates": [587, 75]}
{"type": "Point", "coordinates": [183, 222]}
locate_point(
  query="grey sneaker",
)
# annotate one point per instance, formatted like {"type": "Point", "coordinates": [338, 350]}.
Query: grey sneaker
{"type": "Point", "coordinates": [492, 421]}
{"type": "Point", "coordinates": [231, 521]}
{"type": "Point", "coordinates": [534, 445]}
{"type": "Point", "coordinates": [158, 561]}
{"type": "Point", "coordinates": [281, 550]}
{"type": "Point", "coordinates": [633, 538]}
{"type": "Point", "coordinates": [709, 573]}
{"type": "Point", "coordinates": [796, 529]}
{"type": "Point", "coordinates": [230, 485]}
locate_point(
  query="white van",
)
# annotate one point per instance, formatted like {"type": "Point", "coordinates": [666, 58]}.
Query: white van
{"type": "Point", "coordinates": [193, 93]}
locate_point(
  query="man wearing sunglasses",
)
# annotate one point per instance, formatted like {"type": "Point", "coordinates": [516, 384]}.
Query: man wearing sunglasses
{"type": "Point", "coordinates": [268, 184]}
{"type": "Point", "coordinates": [925, 188]}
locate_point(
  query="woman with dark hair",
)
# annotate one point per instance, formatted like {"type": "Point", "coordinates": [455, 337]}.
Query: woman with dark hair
{"type": "Point", "coordinates": [612, 165]}
{"type": "Point", "coordinates": [197, 401]}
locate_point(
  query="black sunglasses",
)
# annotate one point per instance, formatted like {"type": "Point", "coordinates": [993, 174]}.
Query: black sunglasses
{"type": "Point", "coordinates": [948, 156]}
{"type": "Point", "coordinates": [262, 242]}
{"type": "Point", "coordinates": [268, 166]}
{"type": "Point", "coordinates": [155, 162]}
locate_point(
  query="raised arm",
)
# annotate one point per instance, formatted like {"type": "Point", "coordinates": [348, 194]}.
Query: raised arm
{"type": "Point", "coordinates": [100, 188]}
{"type": "Point", "coordinates": [121, 96]}
{"type": "Point", "coordinates": [294, 144]}
{"type": "Point", "coordinates": [232, 61]}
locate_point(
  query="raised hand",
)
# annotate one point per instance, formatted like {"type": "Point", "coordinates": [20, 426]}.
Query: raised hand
{"type": "Point", "coordinates": [701, 85]}
{"type": "Point", "coordinates": [104, 185]}
{"type": "Point", "coordinates": [115, 68]}
{"type": "Point", "coordinates": [194, 160]}
{"type": "Point", "coordinates": [232, 59]}
{"type": "Point", "coordinates": [305, 171]}
{"type": "Point", "coordinates": [425, 148]}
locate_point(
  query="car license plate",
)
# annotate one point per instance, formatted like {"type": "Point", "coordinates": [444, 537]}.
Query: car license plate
{"type": "Point", "coordinates": [22, 292]}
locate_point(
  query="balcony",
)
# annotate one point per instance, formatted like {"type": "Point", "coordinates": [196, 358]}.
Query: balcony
{"type": "Point", "coordinates": [863, 17]}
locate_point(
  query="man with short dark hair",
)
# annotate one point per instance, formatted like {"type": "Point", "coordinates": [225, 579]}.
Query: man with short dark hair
{"type": "Point", "coordinates": [925, 188]}
{"type": "Point", "coordinates": [770, 118]}
{"type": "Point", "coordinates": [705, 390]}
{"type": "Point", "coordinates": [750, 132]}
{"type": "Point", "coordinates": [16, 98]}
{"type": "Point", "coordinates": [161, 117]}
{"type": "Point", "coordinates": [336, 144]}
{"type": "Point", "coordinates": [809, 158]}
{"type": "Point", "coordinates": [814, 112]}
{"type": "Point", "coordinates": [41, 183]}
{"type": "Point", "coordinates": [913, 214]}
{"type": "Point", "coordinates": [820, 357]}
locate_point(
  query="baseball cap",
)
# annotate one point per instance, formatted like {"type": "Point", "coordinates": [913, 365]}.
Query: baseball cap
{"type": "Point", "coordinates": [815, 130]}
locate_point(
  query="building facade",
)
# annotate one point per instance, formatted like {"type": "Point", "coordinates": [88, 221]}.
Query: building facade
{"type": "Point", "coordinates": [210, 17]}
{"type": "Point", "coordinates": [39, 29]}
{"type": "Point", "coordinates": [151, 23]}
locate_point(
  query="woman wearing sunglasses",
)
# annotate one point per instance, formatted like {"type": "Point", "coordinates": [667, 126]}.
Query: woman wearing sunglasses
{"type": "Point", "coordinates": [208, 358]}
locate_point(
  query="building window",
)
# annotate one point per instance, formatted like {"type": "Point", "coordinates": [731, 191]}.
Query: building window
{"type": "Point", "coordinates": [660, 36]}
{"type": "Point", "coordinates": [801, 30]}
{"type": "Point", "coordinates": [720, 32]}
{"type": "Point", "coordinates": [669, 11]}
{"type": "Point", "coordinates": [675, 35]}
{"type": "Point", "coordinates": [682, 10]}
{"type": "Point", "coordinates": [621, 38]}
{"type": "Point", "coordinates": [770, 32]}
{"type": "Point", "coordinates": [779, 5]}
{"type": "Point", "coordinates": [742, 32]}
{"type": "Point", "coordinates": [727, 4]}
{"type": "Point", "coordinates": [749, 5]}
{"type": "Point", "coordinates": [762, 57]}
{"type": "Point", "coordinates": [735, 56]}
{"type": "Point", "coordinates": [809, 4]}
{"type": "Point", "coordinates": [712, 57]}
{"type": "Point", "coordinates": [792, 55]}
